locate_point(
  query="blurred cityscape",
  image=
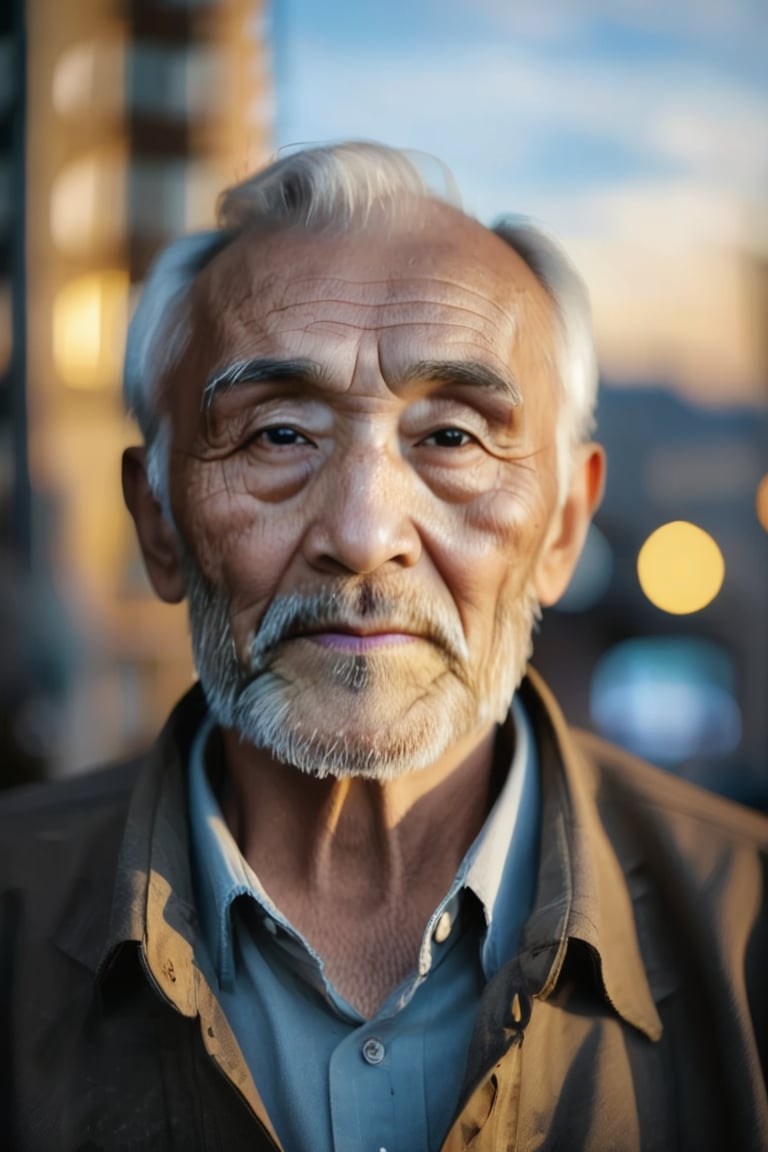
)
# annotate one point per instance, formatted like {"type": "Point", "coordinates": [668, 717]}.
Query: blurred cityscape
{"type": "Point", "coordinates": [120, 122]}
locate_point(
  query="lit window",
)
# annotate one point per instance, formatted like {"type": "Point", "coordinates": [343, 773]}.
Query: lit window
{"type": "Point", "coordinates": [88, 202]}
{"type": "Point", "coordinates": [89, 329]}
{"type": "Point", "coordinates": [88, 76]}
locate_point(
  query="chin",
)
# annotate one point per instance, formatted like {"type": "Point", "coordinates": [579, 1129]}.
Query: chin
{"type": "Point", "coordinates": [375, 732]}
{"type": "Point", "coordinates": [373, 735]}
{"type": "Point", "coordinates": [376, 716]}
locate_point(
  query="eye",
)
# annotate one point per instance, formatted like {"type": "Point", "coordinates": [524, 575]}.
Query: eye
{"type": "Point", "coordinates": [449, 438]}
{"type": "Point", "coordinates": [280, 436]}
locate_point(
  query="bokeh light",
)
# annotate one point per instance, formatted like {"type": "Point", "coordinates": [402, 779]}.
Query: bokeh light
{"type": "Point", "coordinates": [680, 568]}
{"type": "Point", "coordinates": [88, 201]}
{"type": "Point", "coordinates": [667, 698]}
{"type": "Point", "coordinates": [761, 502]}
{"type": "Point", "coordinates": [88, 323]}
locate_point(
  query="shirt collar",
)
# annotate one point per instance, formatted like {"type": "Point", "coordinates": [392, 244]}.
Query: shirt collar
{"type": "Point", "coordinates": [221, 872]}
{"type": "Point", "coordinates": [582, 891]}
{"type": "Point", "coordinates": [499, 865]}
{"type": "Point", "coordinates": [502, 870]}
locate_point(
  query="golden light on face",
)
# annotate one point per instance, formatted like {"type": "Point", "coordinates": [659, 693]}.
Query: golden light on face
{"type": "Point", "coordinates": [680, 568]}
{"type": "Point", "coordinates": [376, 438]}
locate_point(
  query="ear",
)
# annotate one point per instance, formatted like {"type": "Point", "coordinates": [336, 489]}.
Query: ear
{"type": "Point", "coordinates": [157, 538]}
{"type": "Point", "coordinates": [568, 530]}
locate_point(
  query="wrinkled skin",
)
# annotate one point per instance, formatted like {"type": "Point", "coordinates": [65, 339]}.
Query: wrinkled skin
{"type": "Point", "coordinates": [415, 455]}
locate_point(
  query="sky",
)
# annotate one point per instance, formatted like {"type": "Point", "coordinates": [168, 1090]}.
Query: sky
{"type": "Point", "coordinates": [635, 130]}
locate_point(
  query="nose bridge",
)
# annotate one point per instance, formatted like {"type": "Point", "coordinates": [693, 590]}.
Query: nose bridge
{"type": "Point", "coordinates": [365, 518]}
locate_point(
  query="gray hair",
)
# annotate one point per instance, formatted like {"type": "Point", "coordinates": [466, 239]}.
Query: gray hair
{"type": "Point", "coordinates": [336, 188]}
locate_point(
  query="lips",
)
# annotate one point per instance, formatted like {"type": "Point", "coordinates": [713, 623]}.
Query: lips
{"type": "Point", "coordinates": [357, 620]}
{"type": "Point", "coordinates": [350, 638]}
{"type": "Point", "coordinates": [357, 642]}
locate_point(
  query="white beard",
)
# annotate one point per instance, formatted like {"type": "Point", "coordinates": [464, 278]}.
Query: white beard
{"type": "Point", "coordinates": [345, 718]}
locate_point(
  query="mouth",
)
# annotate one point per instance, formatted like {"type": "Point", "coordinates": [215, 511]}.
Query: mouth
{"type": "Point", "coordinates": [348, 623]}
{"type": "Point", "coordinates": [356, 641]}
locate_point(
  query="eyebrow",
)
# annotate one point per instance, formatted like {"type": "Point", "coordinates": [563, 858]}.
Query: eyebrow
{"type": "Point", "coordinates": [466, 372]}
{"type": "Point", "coordinates": [309, 372]}
{"type": "Point", "coordinates": [262, 369]}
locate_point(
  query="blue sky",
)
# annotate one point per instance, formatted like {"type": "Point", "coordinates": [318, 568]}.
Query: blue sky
{"type": "Point", "coordinates": [635, 130]}
{"type": "Point", "coordinates": [534, 101]}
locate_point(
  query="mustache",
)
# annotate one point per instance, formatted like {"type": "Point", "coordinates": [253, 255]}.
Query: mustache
{"type": "Point", "coordinates": [361, 605]}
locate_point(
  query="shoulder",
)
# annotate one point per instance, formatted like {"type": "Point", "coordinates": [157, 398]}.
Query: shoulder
{"type": "Point", "coordinates": [662, 795]}
{"type": "Point", "coordinates": [627, 788]}
{"type": "Point", "coordinates": [76, 810]}
{"type": "Point", "coordinates": [681, 826]}
{"type": "Point", "coordinates": [51, 830]}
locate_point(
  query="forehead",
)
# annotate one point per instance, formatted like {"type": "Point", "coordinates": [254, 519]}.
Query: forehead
{"type": "Point", "coordinates": [433, 281]}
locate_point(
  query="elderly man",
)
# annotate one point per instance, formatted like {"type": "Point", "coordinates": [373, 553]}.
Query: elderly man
{"type": "Point", "coordinates": [368, 892]}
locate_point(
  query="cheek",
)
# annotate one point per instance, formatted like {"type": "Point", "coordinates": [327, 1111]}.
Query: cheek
{"type": "Point", "coordinates": [490, 552]}
{"type": "Point", "coordinates": [241, 545]}
{"type": "Point", "coordinates": [509, 520]}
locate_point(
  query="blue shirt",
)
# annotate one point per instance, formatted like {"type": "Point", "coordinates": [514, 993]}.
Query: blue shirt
{"type": "Point", "coordinates": [329, 1078]}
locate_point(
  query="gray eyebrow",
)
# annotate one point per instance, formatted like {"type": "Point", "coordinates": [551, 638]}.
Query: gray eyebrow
{"type": "Point", "coordinates": [262, 369]}
{"type": "Point", "coordinates": [310, 372]}
{"type": "Point", "coordinates": [466, 372]}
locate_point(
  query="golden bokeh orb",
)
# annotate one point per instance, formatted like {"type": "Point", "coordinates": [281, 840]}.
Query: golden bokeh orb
{"type": "Point", "coordinates": [680, 568]}
{"type": "Point", "coordinates": [761, 502]}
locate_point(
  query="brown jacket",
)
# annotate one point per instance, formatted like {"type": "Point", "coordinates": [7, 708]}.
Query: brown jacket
{"type": "Point", "coordinates": [635, 1016]}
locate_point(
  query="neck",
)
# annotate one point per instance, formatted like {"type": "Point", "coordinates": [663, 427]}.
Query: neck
{"type": "Point", "coordinates": [354, 863]}
{"type": "Point", "coordinates": [290, 824]}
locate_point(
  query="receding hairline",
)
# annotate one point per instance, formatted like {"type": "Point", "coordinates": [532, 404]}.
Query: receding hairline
{"type": "Point", "coordinates": [518, 281]}
{"type": "Point", "coordinates": [339, 189]}
{"type": "Point", "coordinates": [423, 224]}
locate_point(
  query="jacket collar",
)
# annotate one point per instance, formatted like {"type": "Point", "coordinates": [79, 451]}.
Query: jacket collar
{"type": "Point", "coordinates": [583, 893]}
{"type": "Point", "coordinates": [153, 903]}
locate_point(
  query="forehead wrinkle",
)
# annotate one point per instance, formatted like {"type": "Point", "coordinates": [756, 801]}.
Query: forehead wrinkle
{"type": "Point", "coordinates": [356, 318]}
{"type": "Point", "coordinates": [469, 336]}
{"type": "Point", "coordinates": [447, 315]}
{"type": "Point", "coordinates": [390, 299]}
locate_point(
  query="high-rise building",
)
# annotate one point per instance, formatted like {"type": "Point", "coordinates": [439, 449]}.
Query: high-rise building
{"type": "Point", "coordinates": [138, 114]}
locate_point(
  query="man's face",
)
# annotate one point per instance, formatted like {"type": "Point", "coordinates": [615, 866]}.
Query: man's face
{"type": "Point", "coordinates": [363, 474]}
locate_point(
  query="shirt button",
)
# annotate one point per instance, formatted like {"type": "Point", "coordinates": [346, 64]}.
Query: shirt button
{"type": "Point", "coordinates": [442, 928]}
{"type": "Point", "coordinates": [373, 1051]}
{"type": "Point", "coordinates": [270, 925]}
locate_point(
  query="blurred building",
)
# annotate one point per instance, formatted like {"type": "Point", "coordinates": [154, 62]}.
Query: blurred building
{"type": "Point", "coordinates": [137, 113]}
{"type": "Point", "coordinates": [669, 658]}
{"type": "Point", "coordinates": [119, 124]}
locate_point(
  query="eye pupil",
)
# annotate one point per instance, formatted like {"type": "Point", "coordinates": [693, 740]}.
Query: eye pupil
{"type": "Point", "coordinates": [450, 437]}
{"type": "Point", "coordinates": [281, 435]}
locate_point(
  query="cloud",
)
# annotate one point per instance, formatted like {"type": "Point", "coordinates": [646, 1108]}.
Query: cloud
{"type": "Point", "coordinates": [504, 119]}
{"type": "Point", "coordinates": [722, 24]}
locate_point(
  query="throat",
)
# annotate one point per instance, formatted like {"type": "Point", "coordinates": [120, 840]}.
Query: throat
{"type": "Point", "coordinates": [364, 958]}
{"type": "Point", "coordinates": [358, 866]}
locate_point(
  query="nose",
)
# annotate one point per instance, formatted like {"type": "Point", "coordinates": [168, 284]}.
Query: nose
{"type": "Point", "coordinates": [364, 515]}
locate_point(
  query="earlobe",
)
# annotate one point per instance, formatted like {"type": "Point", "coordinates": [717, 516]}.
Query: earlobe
{"type": "Point", "coordinates": [157, 538]}
{"type": "Point", "coordinates": [561, 550]}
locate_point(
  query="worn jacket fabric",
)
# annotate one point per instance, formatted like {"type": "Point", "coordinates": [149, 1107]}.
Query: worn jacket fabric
{"type": "Point", "coordinates": [634, 1017]}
